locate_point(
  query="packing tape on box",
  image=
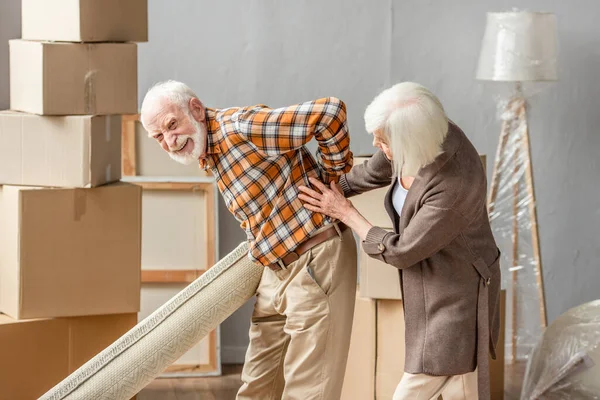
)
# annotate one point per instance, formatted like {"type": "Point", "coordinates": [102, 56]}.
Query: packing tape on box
{"type": "Point", "coordinates": [90, 92]}
{"type": "Point", "coordinates": [124, 368]}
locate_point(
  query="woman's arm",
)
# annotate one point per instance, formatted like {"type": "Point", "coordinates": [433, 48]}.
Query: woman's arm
{"type": "Point", "coordinates": [371, 174]}
{"type": "Point", "coordinates": [446, 211]}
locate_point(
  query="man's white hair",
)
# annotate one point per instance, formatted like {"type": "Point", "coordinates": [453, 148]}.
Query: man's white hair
{"type": "Point", "coordinates": [414, 122]}
{"type": "Point", "coordinates": [175, 92]}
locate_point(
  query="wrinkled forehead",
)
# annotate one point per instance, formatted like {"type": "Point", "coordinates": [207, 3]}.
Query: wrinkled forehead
{"type": "Point", "coordinates": [156, 111]}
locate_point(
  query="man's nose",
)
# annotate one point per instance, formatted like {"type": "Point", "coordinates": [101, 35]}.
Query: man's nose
{"type": "Point", "coordinates": [171, 140]}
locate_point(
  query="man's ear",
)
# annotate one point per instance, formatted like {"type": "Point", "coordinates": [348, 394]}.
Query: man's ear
{"type": "Point", "coordinates": [197, 109]}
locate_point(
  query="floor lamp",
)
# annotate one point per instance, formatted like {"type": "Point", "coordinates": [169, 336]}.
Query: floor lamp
{"type": "Point", "coordinates": [518, 47]}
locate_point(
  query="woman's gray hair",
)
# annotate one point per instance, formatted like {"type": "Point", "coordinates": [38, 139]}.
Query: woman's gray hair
{"type": "Point", "coordinates": [414, 123]}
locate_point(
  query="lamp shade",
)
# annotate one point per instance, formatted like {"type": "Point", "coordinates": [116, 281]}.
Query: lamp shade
{"type": "Point", "coordinates": [518, 46]}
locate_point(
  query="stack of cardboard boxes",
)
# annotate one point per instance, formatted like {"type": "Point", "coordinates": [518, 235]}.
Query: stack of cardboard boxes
{"type": "Point", "coordinates": [70, 232]}
{"type": "Point", "coordinates": [376, 358]}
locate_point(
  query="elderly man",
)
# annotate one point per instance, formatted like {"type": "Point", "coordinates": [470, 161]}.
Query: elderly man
{"type": "Point", "coordinates": [301, 324]}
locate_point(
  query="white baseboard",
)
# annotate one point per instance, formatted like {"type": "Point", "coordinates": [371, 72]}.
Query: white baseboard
{"type": "Point", "coordinates": [233, 354]}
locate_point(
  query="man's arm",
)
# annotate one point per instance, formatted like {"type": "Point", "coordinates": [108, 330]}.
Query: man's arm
{"type": "Point", "coordinates": [277, 131]}
{"type": "Point", "coordinates": [372, 174]}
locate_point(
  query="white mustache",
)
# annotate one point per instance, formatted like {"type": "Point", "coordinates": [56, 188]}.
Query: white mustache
{"type": "Point", "coordinates": [181, 146]}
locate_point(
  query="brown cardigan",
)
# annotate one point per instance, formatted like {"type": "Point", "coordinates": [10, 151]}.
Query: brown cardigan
{"type": "Point", "coordinates": [447, 258]}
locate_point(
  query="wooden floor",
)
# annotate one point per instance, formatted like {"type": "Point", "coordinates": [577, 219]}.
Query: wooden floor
{"type": "Point", "coordinates": [225, 387]}
{"type": "Point", "coordinates": [214, 388]}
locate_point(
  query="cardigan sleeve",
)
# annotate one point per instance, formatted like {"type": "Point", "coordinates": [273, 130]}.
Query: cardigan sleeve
{"type": "Point", "coordinates": [371, 174]}
{"type": "Point", "coordinates": [447, 209]}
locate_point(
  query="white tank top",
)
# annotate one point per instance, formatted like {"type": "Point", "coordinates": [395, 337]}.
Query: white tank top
{"type": "Point", "coordinates": [398, 197]}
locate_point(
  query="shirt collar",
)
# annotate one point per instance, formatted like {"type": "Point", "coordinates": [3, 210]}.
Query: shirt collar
{"type": "Point", "coordinates": [213, 136]}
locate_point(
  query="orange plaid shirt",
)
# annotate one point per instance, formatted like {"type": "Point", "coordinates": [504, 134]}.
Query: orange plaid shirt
{"type": "Point", "coordinates": [259, 160]}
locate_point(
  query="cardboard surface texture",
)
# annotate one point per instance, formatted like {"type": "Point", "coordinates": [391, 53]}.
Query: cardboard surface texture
{"type": "Point", "coordinates": [359, 379]}
{"type": "Point", "coordinates": [390, 347]}
{"type": "Point", "coordinates": [38, 354]}
{"type": "Point", "coordinates": [376, 357]}
{"type": "Point", "coordinates": [378, 280]}
{"type": "Point", "coordinates": [73, 151]}
{"type": "Point", "coordinates": [51, 78]}
{"type": "Point", "coordinates": [85, 20]}
{"type": "Point", "coordinates": [70, 252]}
{"type": "Point", "coordinates": [370, 204]}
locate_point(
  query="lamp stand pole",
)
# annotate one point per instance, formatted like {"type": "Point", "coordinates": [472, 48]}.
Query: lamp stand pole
{"type": "Point", "coordinates": [522, 159]}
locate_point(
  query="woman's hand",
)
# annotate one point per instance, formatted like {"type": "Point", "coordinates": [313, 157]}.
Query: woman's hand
{"type": "Point", "coordinates": [330, 201]}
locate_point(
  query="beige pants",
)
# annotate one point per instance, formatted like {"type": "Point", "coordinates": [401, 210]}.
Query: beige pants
{"type": "Point", "coordinates": [427, 387]}
{"type": "Point", "coordinates": [301, 326]}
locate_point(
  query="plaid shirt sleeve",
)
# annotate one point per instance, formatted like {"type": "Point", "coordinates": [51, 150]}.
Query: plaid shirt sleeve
{"type": "Point", "coordinates": [277, 131]}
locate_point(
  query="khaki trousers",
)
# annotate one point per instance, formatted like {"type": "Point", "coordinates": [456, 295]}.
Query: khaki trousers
{"type": "Point", "coordinates": [301, 326]}
{"type": "Point", "coordinates": [427, 387]}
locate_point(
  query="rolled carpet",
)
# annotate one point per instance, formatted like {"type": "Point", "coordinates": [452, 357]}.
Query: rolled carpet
{"type": "Point", "coordinates": [129, 364]}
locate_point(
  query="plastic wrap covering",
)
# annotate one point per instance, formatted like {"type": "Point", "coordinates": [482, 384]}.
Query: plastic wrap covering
{"type": "Point", "coordinates": [134, 360]}
{"type": "Point", "coordinates": [565, 363]}
{"type": "Point", "coordinates": [518, 46]}
{"type": "Point", "coordinates": [513, 218]}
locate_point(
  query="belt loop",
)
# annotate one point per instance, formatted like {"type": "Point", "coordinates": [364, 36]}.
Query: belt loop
{"type": "Point", "coordinates": [338, 230]}
{"type": "Point", "coordinates": [281, 264]}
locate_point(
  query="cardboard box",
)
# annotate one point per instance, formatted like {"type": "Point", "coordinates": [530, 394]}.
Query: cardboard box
{"type": "Point", "coordinates": [52, 78]}
{"type": "Point", "coordinates": [85, 20]}
{"type": "Point", "coordinates": [370, 204]}
{"type": "Point", "coordinates": [390, 347]}
{"type": "Point", "coordinates": [70, 252]}
{"type": "Point", "coordinates": [378, 280]}
{"type": "Point", "coordinates": [38, 354]}
{"type": "Point", "coordinates": [376, 357]}
{"type": "Point", "coordinates": [359, 379]}
{"type": "Point", "coordinates": [73, 151]}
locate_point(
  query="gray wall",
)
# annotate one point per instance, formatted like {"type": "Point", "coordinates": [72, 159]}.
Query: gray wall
{"type": "Point", "coordinates": [10, 28]}
{"type": "Point", "coordinates": [278, 53]}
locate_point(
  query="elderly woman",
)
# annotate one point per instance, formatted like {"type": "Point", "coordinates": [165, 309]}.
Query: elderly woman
{"type": "Point", "coordinates": [442, 244]}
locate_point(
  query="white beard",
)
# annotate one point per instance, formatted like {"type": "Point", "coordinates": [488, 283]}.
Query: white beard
{"type": "Point", "coordinates": [199, 140]}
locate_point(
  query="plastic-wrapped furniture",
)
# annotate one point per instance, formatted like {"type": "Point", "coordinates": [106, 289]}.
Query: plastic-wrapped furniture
{"type": "Point", "coordinates": [565, 364]}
